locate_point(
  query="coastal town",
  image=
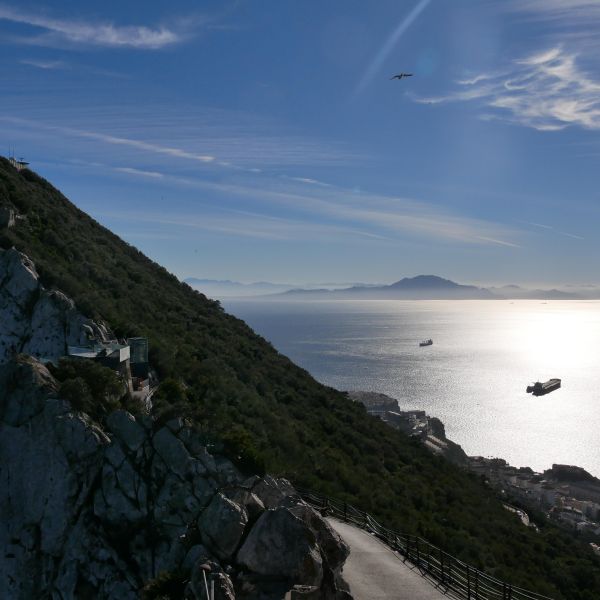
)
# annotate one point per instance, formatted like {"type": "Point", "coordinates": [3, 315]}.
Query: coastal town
{"type": "Point", "coordinates": [566, 494]}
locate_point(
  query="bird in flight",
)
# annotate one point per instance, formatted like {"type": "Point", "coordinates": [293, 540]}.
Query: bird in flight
{"type": "Point", "coordinates": [401, 75]}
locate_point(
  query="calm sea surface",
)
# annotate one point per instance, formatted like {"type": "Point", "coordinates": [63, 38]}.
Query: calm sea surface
{"type": "Point", "coordinates": [473, 377]}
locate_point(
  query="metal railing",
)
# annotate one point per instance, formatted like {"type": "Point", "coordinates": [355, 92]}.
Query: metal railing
{"type": "Point", "coordinates": [454, 576]}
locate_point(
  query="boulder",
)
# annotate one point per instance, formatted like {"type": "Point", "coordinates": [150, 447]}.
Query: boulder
{"type": "Point", "coordinates": [272, 491]}
{"type": "Point", "coordinates": [222, 525]}
{"type": "Point", "coordinates": [173, 452]}
{"type": "Point", "coordinates": [25, 386]}
{"type": "Point", "coordinates": [334, 550]}
{"type": "Point", "coordinates": [250, 501]}
{"type": "Point", "coordinates": [267, 549]}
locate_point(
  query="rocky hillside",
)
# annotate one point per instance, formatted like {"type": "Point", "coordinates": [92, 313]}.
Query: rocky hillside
{"type": "Point", "coordinates": [93, 511]}
{"type": "Point", "coordinates": [265, 412]}
{"type": "Point", "coordinates": [36, 321]}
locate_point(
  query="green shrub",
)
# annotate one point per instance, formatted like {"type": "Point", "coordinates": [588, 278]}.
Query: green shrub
{"type": "Point", "coordinates": [91, 387]}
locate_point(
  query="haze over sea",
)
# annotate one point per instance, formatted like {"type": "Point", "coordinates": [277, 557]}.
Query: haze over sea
{"type": "Point", "coordinates": [473, 377]}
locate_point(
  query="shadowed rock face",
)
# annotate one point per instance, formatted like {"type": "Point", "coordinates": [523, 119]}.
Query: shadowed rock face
{"type": "Point", "coordinates": [36, 321]}
{"type": "Point", "coordinates": [94, 511]}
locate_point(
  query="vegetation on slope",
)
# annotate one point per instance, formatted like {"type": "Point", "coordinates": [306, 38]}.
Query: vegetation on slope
{"type": "Point", "coordinates": [269, 412]}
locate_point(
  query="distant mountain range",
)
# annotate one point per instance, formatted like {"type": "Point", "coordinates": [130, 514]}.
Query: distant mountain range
{"type": "Point", "coordinates": [421, 287]}
{"type": "Point", "coordinates": [215, 288]}
{"type": "Point", "coordinates": [515, 292]}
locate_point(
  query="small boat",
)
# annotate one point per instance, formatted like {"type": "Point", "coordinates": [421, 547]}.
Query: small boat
{"type": "Point", "coordinates": [539, 388]}
{"type": "Point", "coordinates": [428, 342]}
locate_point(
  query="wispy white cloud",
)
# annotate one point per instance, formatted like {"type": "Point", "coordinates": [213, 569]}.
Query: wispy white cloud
{"type": "Point", "coordinates": [565, 11]}
{"type": "Point", "coordinates": [44, 64]}
{"type": "Point", "coordinates": [372, 214]}
{"type": "Point", "coordinates": [248, 224]}
{"type": "Point", "coordinates": [119, 141]}
{"type": "Point", "coordinates": [222, 139]}
{"type": "Point", "coordinates": [310, 181]}
{"type": "Point", "coordinates": [140, 172]}
{"type": "Point", "coordinates": [547, 91]}
{"type": "Point", "coordinates": [56, 30]}
{"type": "Point", "coordinates": [552, 229]}
{"type": "Point", "coordinates": [316, 201]}
{"type": "Point", "coordinates": [572, 22]}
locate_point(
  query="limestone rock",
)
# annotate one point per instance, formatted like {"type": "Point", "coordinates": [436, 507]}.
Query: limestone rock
{"type": "Point", "coordinates": [96, 512]}
{"type": "Point", "coordinates": [272, 491]}
{"type": "Point", "coordinates": [267, 550]}
{"type": "Point", "coordinates": [36, 321]}
{"type": "Point", "coordinates": [25, 385]}
{"type": "Point", "coordinates": [126, 429]}
{"type": "Point", "coordinates": [250, 501]}
{"type": "Point", "coordinates": [222, 525]}
{"type": "Point", "coordinates": [217, 580]}
{"type": "Point", "coordinates": [334, 550]}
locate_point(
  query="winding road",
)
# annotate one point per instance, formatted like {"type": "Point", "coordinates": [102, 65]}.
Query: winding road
{"type": "Point", "coordinates": [374, 572]}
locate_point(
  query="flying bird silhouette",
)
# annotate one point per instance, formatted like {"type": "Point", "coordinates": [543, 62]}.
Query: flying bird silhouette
{"type": "Point", "coordinates": [401, 75]}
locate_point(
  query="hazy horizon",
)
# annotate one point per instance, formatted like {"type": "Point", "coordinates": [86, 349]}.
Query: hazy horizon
{"type": "Point", "coordinates": [365, 281]}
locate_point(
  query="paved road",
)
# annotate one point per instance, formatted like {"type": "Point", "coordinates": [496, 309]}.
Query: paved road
{"type": "Point", "coordinates": [374, 572]}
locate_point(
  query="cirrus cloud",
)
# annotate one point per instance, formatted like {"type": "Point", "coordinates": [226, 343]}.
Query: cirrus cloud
{"type": "Point", "coordinates": [547, 91]}
{"type": "Point", "coordinates": [57, 30]}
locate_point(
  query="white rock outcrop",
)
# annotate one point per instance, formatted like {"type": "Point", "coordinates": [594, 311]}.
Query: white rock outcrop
{"type": "Point", "coordinates": [91, 511]}
{"type": "Point", "coordinates": [36, 321]}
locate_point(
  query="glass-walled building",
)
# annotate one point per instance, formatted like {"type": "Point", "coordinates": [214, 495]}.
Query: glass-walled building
{"type": "Point", "coordinates": [139, 350]}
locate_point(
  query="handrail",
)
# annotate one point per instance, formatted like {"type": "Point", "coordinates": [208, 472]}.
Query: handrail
{"type": "Point", "coordinates": [454, 575]}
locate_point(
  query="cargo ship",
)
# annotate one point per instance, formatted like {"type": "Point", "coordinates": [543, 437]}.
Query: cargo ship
{"type": "Point", "coordinates": [539, 388]}
{"type": "Point", "coordinates": [428, 342]}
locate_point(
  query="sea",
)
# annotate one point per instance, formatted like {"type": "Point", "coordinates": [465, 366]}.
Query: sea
{"type": "Point", "coordinates": [473, 377]}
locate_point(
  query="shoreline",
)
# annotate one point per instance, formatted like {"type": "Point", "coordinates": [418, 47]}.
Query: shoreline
{"type": "Point", "coordinates": [566, 494]}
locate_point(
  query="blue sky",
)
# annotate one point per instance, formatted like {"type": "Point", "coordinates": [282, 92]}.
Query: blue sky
{"type": "Point", "coordinates": [265, 140]}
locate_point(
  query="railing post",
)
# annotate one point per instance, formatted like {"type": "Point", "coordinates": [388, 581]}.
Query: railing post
{"type": "Point", "coordinates": [365, 520]}
{"type": "Point", "coordinates": [442, 567]}
{"type": "Point", "coordinates": [503, 591]}
{"type": "Point", "coordinates": [510, 592]}
{"type": "Point", "coordinates": [418, 557]}
{"type": "Point", "coordinates": [345, 512]}
{"type": "Point", "coordinates": [476, 585]}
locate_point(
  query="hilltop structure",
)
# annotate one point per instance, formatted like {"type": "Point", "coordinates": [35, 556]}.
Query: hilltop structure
{"type": "Point", "coordinates": [19, 164]}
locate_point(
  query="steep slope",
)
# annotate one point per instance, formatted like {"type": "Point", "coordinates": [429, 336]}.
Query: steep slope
{"type": "Point", "coordinates": [265, 408]}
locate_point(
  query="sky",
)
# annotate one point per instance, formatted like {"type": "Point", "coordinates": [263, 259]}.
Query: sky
{"type": "Point", "coordinates": [266, 141]}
